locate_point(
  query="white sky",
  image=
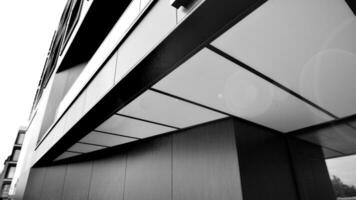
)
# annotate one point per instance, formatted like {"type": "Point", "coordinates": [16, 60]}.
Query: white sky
{"type": "Point", "coordinates": [26, 29]}
{"type": "Point", "coordinates": [344, 168]}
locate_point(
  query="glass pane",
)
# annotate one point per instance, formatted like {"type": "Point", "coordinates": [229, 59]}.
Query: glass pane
{"type": "Point", "coordinates": [20, 138]}
{"type": "Point", "coordinates": [214, 81]}
{"type": "Point", "coordinates": [307, 45]}
{"type": "Point", "coordinates": [5, 190]}
{"type": "Point", "coordinates": [10, 172]}
{"type": "Point", "coordinates": [16, 154]}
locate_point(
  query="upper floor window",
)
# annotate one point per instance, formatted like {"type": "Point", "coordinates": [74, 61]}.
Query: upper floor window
{"type": "Point", "coordinates": [10, 172]}
{"type": "Point", "coordinates": [20, 138]}
{"type": "Point", "coordinates": [15, 155]}
{"type": "Point", "coordinates": [5, 189]}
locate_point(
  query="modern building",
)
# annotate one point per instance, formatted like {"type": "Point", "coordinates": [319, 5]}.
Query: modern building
{"type": "Point", "coordinates": [193, 99]}
{"type": "Point", "coordinates": [10, 165]}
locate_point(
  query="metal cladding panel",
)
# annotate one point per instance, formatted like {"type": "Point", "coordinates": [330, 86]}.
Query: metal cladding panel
{"type": "Point", "coordinates": [214, 81]}
{"type": "Point", "coordinates": [205, 165]}
{"type": "Point", "coordinates": [184, 12]}
{"type": "Point", "coordinates": [130, 127]}
{"type": "Point", "coordinates": [264, 162]}
{"type": "Point", "coordinates": [75, 112]}
{"type": "Point", "coordinates": [339, 136]}
{"type": "Point", "coordinates": [149, 170]}
{"type": "Point", "coordinates": [311, 173]}
{"type": "Point", "coordinates": [329, 153]}
{"type": "Point", "coordinates": [34, 184]}
{"type": "Point", "coordinates": [227, 159]}
{"type": "Point", "coordinates": [101, 84]}
{"type": "Point", "coordinates": [108, 178]}
{"type": "Point", "coordinates": [163, 109]}
{"type": "Point", "coordinates": [186, 39]}
{"type": "Point", "coordinates": [66, 154]}
{"type": "Point", "coordinates": [84, 148]}
{"type": "Point", "coordinates": [307, 46]}
{"type": "Point", "coordinates": [105, 139]}
{"type": "Point", "coordinates": [158, 22]}
{"type": "Point", "coordinates": [77, 181]}
{"type": "Point", "coordinates": [53, 183]}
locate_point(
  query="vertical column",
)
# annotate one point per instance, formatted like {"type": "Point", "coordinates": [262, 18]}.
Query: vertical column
{"type": "Point", "coordinates": [205, 165]}
{"type": "Point", "coordinates": [277, 167]}
{"type": "Point", "coordinates": [311, 174]}
{"type": "Point", "coordinates": [264, 162]}
{"type": "Point", "coordinates": [149, 169]}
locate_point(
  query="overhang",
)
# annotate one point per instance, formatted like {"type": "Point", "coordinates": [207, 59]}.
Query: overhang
{"type": "Point", "coordinates": [286, 65]}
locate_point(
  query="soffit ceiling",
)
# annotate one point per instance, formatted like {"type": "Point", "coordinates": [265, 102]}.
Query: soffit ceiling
{"type": "Point", "coordinates": [288, 66]}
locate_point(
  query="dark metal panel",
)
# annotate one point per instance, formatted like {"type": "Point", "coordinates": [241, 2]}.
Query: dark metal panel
{"type": "Point", "coordinates": [53, 183]}
{"type": "Point", "coordinates": [310, 170]}
{"type": "Point", "coordinates": [34, 184]}
{"type": "Point", "coordinates": [108, 178]}
{"type": "Point", "coordinates": [266, 172]}
{"type": "Point", "coordinates": [205, 163]}
{"type": "Point", "coordinates": [77, 181]}
{"type": "Point", "coordinates": [149, 170]}
{"type": "Point", "coordinates": [352, 4]}
{"type": "Point", "coordinates": [341, 139]}
{"type": "Point", "coordinates": [329, 153]}
{"type": "Point", "coordinates": [338, 136]}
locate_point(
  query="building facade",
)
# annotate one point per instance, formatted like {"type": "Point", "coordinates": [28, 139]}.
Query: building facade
{"type": "Point", "coordinates": [199, 99]}
{"type": "Point", "coordinates": [10, 165]}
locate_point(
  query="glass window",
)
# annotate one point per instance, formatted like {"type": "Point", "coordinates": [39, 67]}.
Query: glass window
{"type": "Point", "coordinates": [10, 172]}
{"type": "Point", "coordinates": [16, 154]}
{"type": "Point", "coordinates": [5, 189]}
{"type": "Point", "coordinates": [20, 138]}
